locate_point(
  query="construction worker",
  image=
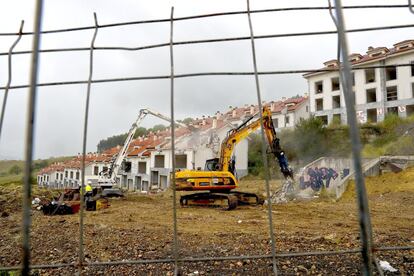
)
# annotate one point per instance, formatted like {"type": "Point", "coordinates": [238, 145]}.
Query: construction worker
{"type": "Point", "coordinates": [88, 189]}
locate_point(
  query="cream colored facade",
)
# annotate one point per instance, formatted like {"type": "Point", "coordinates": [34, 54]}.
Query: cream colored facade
{"type": "Point", "coordinates": [377, 91]}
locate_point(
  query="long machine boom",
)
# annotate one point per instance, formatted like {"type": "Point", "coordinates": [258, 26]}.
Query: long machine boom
{"type": "Point", "coordinates": [117, 162]}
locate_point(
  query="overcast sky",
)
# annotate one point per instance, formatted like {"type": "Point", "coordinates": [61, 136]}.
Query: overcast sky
{"type": "Point", "coordinates": [114, 106]}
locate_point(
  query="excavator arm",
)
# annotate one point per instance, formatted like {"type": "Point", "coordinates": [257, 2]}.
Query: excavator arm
{"type": "Point", "coordinates": [236, 135]}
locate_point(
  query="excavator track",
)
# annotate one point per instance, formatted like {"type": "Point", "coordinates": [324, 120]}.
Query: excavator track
{"type": "Point", "coordinates": [248, 198]}
{"type": "Point", "coordinates": [216, 200]}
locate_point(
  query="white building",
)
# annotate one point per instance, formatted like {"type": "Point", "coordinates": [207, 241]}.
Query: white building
{"type": "Point", "coordinates": [378, 91]}
{"type": "Point", "coordinates": [68, 174]}
{"type": "Point", "coordinates": [288, 112]}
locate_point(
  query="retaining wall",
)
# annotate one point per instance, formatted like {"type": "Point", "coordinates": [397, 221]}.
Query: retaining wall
{"type": "Point", "coordinates": [332, 174]}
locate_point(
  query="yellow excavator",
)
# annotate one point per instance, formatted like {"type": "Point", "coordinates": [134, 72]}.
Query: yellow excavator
{"type": "Point", "coordinates": [217, 180]}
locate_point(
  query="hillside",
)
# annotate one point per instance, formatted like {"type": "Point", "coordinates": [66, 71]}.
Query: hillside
{"type": "Point", "coordinates": [11, 171]}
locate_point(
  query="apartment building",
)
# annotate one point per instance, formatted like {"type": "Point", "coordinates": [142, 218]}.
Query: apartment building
{"type": "Point", "coordinates": [378, 91]}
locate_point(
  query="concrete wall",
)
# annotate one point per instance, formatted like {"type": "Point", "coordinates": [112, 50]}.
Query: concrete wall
{"type": "Point", "coordinates": [333, 174]}
{"type": "Point", "coordinates": [324, 173]}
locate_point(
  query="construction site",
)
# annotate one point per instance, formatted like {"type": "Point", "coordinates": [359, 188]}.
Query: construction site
{"type": "Point", "coordinates": [207, 172]}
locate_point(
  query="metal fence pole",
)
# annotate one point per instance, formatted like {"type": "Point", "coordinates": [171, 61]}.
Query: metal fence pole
{"type": "Point", "coordinates": [410, 6]}
{"type": "Point", "coordinates": [31, 118]}
{"type": "Point", "coordinates": [364, 217]}
{"type": "Point", "coordinates": [175, 242]}
{"type": "Point", "coordinates": [9, 78]}
{"type": "Point", "coordinates": [85, 134]}
{"type": "Point", "coordinates": [264, 156]}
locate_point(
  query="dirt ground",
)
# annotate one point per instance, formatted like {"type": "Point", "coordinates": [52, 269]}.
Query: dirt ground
{"type": "Point", "coordinates": [140, 227]}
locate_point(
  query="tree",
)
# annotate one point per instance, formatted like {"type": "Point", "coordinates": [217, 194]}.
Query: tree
{"type": "Point", "coordinates": [141, 131]}
{"type": "Point", "coordinates": [159, 127]}
{"type": "Point", "coordinates": [187, 120]}
{"type": "Point", "coordinates": [15, 170]}
{"type": "Point", "coordinates": [111, 142]}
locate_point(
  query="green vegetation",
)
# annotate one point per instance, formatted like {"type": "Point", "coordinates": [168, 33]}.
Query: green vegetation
{"type": "Point", "coordinates": [118, 140]}
{"type": "Point", "coordinates": [394, 136]}
{"type": "Point", "coordinates": [11, 171]}
{"type": "Point", "coordinates": [310, 139]}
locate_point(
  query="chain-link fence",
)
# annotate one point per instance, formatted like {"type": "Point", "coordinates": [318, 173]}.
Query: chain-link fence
{"type": "Point", "coordinates": [367, 249]}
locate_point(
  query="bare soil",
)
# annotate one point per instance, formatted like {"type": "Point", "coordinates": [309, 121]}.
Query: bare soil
{"type": "Point", "coordinates": [140, 227]}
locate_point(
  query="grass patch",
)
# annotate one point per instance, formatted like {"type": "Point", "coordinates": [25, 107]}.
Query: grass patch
{"type": "Point", "coordinates": [383, 184]}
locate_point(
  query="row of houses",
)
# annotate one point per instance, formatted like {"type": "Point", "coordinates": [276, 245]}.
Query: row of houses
{"type": "Point", "coordinates": [148, 163]}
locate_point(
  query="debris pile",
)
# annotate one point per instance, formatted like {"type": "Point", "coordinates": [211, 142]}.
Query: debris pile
{"type": "Point", "coordinates": [284, 194]}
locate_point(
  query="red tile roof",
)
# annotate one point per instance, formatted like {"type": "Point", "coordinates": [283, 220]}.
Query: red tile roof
{"type": "Point", "coordinates": [384, 52]}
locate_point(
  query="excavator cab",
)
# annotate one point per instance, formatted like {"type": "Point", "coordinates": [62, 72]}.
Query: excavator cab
{"type": "Point", "coordinates": [212, 164]}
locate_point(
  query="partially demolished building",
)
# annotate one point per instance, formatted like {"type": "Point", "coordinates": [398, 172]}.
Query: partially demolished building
{"type": "Point", "coordinates": [149, 160]}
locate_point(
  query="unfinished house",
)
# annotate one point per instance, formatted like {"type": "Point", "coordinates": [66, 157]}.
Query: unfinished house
{"type": "Point", "coordinates": [161, 158]}
{"type": "Point", "coordinates": [288, 112]}
{"type": "Point", "coordinates": [192, 149]}
{"type": "Point", "coordinates": [51, 176]}
{"type": "Point", "coordinates": [378, 91]}
{"type": "Point", "coordinates": [135, 172]}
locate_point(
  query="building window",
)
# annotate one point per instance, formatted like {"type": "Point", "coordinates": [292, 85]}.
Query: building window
{"type": "Point", "coordinates": [126, 166]}
{"type": "Point", "coordinates": [66, 174]}
{"type": "Point", "coordinates": [307, 107]}
{"type": "Point", "coordinates": [318, 87]}
{"type": "Point", "coordinates": [142, 167]}
{"type": "Point", "coordinates": [371, 95]}
{"type": "Point", "coordinates": [95, 170]}
{"type": "Point", "coordinates": [71, 175]}
{"type": "Point", "coordinates": [287, 120]}
{"type": "Point", "coordinates": [391, 73]}
{"type": "Point", "coordinates": [77, 175]}
{"type": "Point", "coordinates": [392, 110]}
{"type": "Point", "coordinates": [159, 161]}
{"type": "Point", "coordinates": [335, 84]}
{"type": "Point", "coordinates": [181, 161]}
{"type": "Point", "coordinates": [57, 176]}
{"type": "Point", "coordinates": [412, 90]}
{"type": "Point", "coordinates": [104, 169]}
{"type": "Point", "coordinates": [336, 101]}
{"type": "Point", "coordinates": [410, 110]}
{"type": "Point", "coordinates": [392, 94]}
{"type": "Point", "coordinates": [336, 119]}
{"type": "Point", "coordinates": [412, 68]}
{"type": "Point", "coordinates": [61, 176]}
{"type": "Point", "coordinates": [353, 79]}
{"type": "Point", "coordinates": [276, 123]}
{"type": "Point", "coordinates": [319, 104]}
{"type": "Point", "coordinates": [324, 119]}
{"type": "Point", "coordinates": [372, 115]}
{"type": "Point", "coordinates": [369, 75]}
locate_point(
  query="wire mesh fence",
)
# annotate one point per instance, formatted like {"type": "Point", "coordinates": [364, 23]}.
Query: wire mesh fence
{"type": "Point", "coordinates": [367, 251]}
